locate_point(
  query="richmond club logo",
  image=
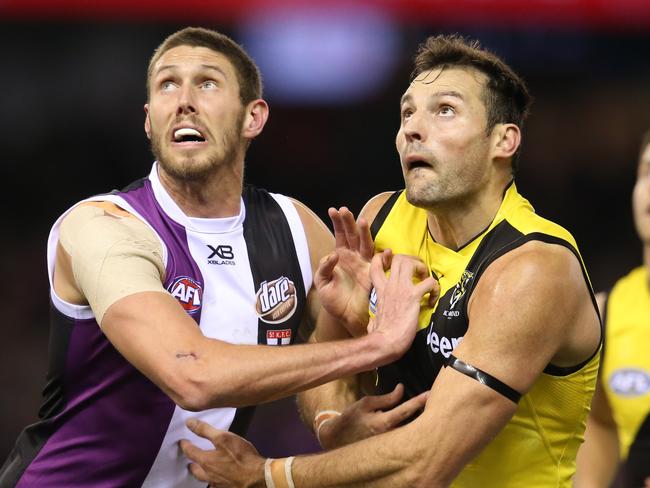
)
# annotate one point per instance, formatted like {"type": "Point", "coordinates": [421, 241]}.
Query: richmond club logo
{"type": "Point", "coordinates": [460, 289]}
{"type": "Point", "coordinates": [276, 300]}
{"type": "Point", "coordinates": [188, 292]}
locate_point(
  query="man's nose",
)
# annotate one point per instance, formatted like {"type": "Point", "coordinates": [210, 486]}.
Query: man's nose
{"type": "Point", "coordinates": [414, 129]}
{"type": "Point", "coordinates": [186, 102]}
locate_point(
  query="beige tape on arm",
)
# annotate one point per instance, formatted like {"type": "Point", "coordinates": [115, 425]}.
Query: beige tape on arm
{"type": "Point", "coordinates": [112, 256]}
{"type": "Point", "coordinates": [277, 473]}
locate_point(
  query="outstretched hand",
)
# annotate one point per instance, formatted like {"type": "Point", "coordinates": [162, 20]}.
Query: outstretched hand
{"type": "Point", "coordinates": [236, 463]}
{"type": "Point", "coordinates": [371, 415]}
{"type": "Point", "coordinates": [343, 279]}
{"type": "Point", "coordinates": [399, 297]}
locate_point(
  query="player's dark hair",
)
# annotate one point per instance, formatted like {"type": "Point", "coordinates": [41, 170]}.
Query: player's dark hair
{"type": "Point", "coordinates": [248, 74]}
{"type": "Point", "coordinates": [506, 97]}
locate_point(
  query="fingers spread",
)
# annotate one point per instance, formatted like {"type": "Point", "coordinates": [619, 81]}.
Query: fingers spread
{"type": "Point", "coordinates": [191, 451]}
{"type": "Point", "coordinates": [203, 430]}
{"type": "Point", "coordinates": [407, 409]}
{"type": "Point", "coordinates": [198, 472]}
{"type": "Point", "coordinates": [434, 294]}
{"type": "Point", "coordinates": [339, 228]}
{"type": "Point", "coordinates": [326, 268]}
{"type": "Point", "coordinates": [387, 400]}
{"type": "Point", "coordinates": [377, 271]}
{"type": "Point", "coordinates": [426, 285]}
{"type": "Point", "coordinates": [346, 233]}
{"type": "Point", "coordinates": [366, 245]}
{"type": "Point", "coordinates": [351, 230]}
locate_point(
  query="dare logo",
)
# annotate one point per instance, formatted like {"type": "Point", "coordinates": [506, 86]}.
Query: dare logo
{"type": "Point", "coordinates": [188, 292]}
{"type": "Point", "coordinates": [276, 300]}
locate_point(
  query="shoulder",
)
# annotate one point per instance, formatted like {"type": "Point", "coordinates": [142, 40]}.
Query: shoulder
{"type": "Point", "coordinates": [102, 221]}
{"type": "Point", "coordinates": [319, 238]}
{"type": "Point", "coordinates": [374, 205]}
{"type": "Point", "coordinates": [537, 277]}
{"type": "Point", "coordinates": [536, 263]}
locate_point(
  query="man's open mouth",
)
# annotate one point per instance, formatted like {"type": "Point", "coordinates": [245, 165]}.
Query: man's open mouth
{"type": "Point", "coordinates": [188, 134]}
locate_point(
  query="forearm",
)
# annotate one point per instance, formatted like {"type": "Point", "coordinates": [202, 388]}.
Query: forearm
{"type": "Point", "coordinates": [387, 460]}
{"type": "Point", "coordinates": [335, 395]}
{"type": "Point", "coordinates": [265, 373]}
{"type": "Point", "coordinates": [428, 452]}
{"type": "Point", "coordinates": [153, 333]}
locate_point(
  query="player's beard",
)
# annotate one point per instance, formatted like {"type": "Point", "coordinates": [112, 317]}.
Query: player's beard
{"type": "Point", "coordinates": [197, 168]}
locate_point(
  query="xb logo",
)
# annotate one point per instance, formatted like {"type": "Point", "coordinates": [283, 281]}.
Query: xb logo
{"type": "Point", "coordinates": [221, 251]}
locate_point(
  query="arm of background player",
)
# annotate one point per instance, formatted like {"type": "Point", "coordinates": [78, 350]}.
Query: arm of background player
{"type": "Point", "coordinates": [598, 457]}
{"type": "Point", "coordinates": [318, 325]}
{"type": "Point", "coordinates": [373, 414]}
{"type": "Point", "coordinates": [513, 344]}
{"type": "Point", "coordinates": [152, 331]}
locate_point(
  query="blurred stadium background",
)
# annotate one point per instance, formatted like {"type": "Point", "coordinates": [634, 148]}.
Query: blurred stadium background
{"type": "Point", "coordinates": [72, 86]}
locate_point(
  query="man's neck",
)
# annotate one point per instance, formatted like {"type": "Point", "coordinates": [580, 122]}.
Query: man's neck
{"type": "Point", "coordinates": [456, 224]}
{"type": "Point", "coordinates": [646, 259]}
{"type": "Point", "coordinates": [216, 196]}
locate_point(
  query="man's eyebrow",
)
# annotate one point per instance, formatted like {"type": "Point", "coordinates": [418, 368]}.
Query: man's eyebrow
{"type": "Point", "coordinates": [448, 93]}
{"type": "Point", "coordinates": [205, 66]}
{"type": "Point", "coordinates": [406, 98]}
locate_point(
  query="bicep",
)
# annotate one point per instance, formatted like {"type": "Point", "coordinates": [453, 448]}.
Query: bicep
{"type": "Point", "coordinates": [319, 238]}
{"type": "Point", "coordinates": [526, 313]}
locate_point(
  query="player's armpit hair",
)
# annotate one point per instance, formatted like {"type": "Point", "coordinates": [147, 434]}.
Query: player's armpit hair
{"type": "Point", "coordinates": [484, 378]}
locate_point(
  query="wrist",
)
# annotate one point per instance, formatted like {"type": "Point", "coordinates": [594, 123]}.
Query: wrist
{"type": "Point", "coordinates": [323, 426]}
{"type": "Point", "coordinates": [384, 350]}
{"type": "Point", "coordinates": [277, 473]}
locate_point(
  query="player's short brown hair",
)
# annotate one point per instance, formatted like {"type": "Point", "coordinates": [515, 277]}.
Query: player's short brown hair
{"type": "Point", "coordinates": [506, 96]}
{"type": "Point", "coordinates": [248, 74]}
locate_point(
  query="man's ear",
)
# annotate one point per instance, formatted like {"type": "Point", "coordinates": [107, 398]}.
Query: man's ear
{"type": "Point", "coordinates": [257, 113]}
{"type": "Point", "coordinates": [147, 122]}
{"type": "Point", "coordinates": [507, 138]}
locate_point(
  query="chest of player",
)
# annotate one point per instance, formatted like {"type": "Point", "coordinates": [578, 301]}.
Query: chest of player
{"type": "Point", "coordinates": [231, 293]}
{"type": "Point", "coordinates": [441, 329]}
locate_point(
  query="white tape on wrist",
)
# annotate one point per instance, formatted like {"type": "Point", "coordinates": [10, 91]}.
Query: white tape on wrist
{"type": "Point", "coordinates": [268, 477]}
{"type": "Point", "coordinates": [321, 419]}
{"type": "Point", "coordinates": [287, 471]}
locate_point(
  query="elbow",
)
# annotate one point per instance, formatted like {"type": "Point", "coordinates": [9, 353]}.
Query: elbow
{"type": "Point", "coordinates": [191, 396]}
{"type": "Point", "coordinates": [196, 392]}
{"type": "Point", "coordinates": [190, 389]}
{"type": "Point", "coordinates": [429, 472]}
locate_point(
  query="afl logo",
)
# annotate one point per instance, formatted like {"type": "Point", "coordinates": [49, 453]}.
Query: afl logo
{"type": "Point", "coordinates": [276, 300]}
{"type": "Point", "coordinates": [630, 382]}
{"type": "Point", "coordinates": [372, 304]}
{"type": "Point", "coordinates": [188, 292]}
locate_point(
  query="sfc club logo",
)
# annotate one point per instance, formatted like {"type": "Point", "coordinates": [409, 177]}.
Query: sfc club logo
{"type": "Point", "coordinates": [188, 292]}
{"type": "Point", "coordinates": [278, 337]}
{"type": "Point", "coordinates": [276, 300]}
